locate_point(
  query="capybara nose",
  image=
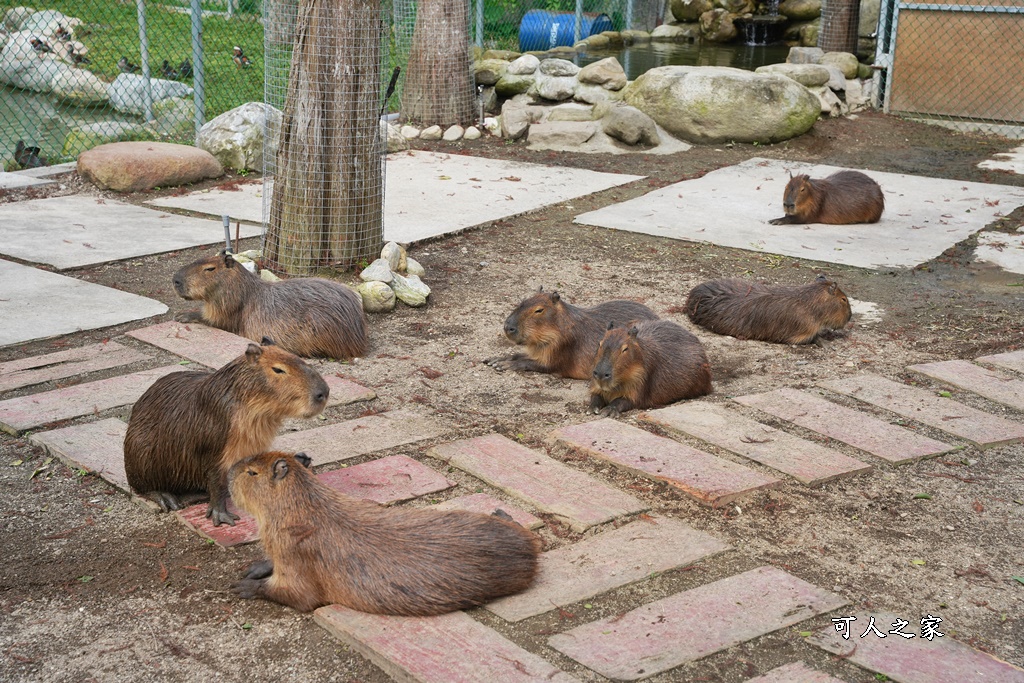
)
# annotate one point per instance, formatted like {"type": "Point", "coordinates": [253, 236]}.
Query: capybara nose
{"type": "Point", "coordinates": [178, 283]}
{"type": "Point", "coordinates": [602, 374]}
{"type": "Point", "coordinates": [511, 329]}
{"type": "Point", "coordinates": [789, 208]}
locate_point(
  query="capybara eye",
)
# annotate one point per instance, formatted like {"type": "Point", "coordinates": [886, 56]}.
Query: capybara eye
{"type": "Point", "coordinates": [539, 311]}
{"type": "Point", "coordinates": [624, 349]}
{"type": "Point", "coordinates": [253, 473]}
{"type": "Point", "coordinates": [279, 370]}
{"type": "Point", "coordinates": [210, 269]}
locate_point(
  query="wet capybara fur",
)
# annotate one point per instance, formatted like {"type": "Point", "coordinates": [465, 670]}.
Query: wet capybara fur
{"type": "Point", "coordinates": [647, 364]}
{"type": "Point", "coordinates": [771, 313]}
{"type": "Point", "coordinates": [842, 198]}
{"type": "Point", "coordinates": [309, 316]}
{"type": "Point", "coordinates": [190, 427]}
{"type": "Point", "coordinates": [324, 547]}
{"type": "Point", "coordinates": [560, 338]}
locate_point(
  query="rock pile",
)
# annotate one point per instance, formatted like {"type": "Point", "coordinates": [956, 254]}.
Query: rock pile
{"type": "Point", "coordinates": [395, 275]}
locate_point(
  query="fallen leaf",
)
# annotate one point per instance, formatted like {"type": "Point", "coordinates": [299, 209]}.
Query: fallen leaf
{"type": "Point", "coordinates": [163, 572]}
{"type": "Point", "coordinates": [978, 507]}
{"type": "Point", "coordinates": [84, 579]}
{"type": "Point", "coordinates": [945, 394]}
{"type": "Point", "coordinates": [161, 544]}
{"type": "Point", "coordinates": [1019, 579]}
{"type": "Point", "coordinates": [806, 634]}
{"type": "Point", "coordinates": [15, 463]}
{"type": "Point", "coordinates": [919, 563]}
{"type": "Point", "coordinates": [922, 496]}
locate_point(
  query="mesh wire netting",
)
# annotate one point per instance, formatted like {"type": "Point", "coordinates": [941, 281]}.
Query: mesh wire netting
{"type": "Point", "coordinates": [839, 24]}
{"type": "Point", "coordinates": [83, 72]}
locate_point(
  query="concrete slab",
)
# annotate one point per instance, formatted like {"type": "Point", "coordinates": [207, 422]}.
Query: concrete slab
{"type": "Point", "coordinates": [95, 446]}
{"type": "Point", "coordinates": [75, 231]}
{"type": "Point", "coordinates": [1012, 161]}
{"type": "Point", "coordinates": [797, 672]}
{"type": "Point", "coordinates": [1001, 249]}
{"type": "Point", "coordinates": [422, 187]}
{"type": "Point", "coordinates": [487, 504]}
{"type": "Point", "coordinates": [1011, 360]}
{"type": "Point", "coordinates": [48, 171]}
{"type": "Point", "coordinates": [362, 435]}
{"type": "Point", "coordinates": [15, 181]}
{"type": "Point", "coordinates": [63, 364]}
{"type": "Point", "coordinates": [387, 480]}
{"type": "Point", "coordinates": [37, 304]}
{"type": "Point", "coordinates": [732, 206]}
{"type": "Point", "coordinates": [995, 386]}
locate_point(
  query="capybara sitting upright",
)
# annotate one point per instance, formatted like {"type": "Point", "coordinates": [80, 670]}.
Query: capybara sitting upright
{"type": "Point", "coordinates": [326, 548]}
{"type": "Point", "coordinates": [560, 338]}
{"type": "Point", "coordinates": [189, 428]}
{"type": "Point", "coordinates": [647, 364]}
{"type": "Point", "coordinates": [309, 316]}
{"type": "Point", "coordinates": [843, 197]}
{"type": "Point", "coordinates": [771, 313]}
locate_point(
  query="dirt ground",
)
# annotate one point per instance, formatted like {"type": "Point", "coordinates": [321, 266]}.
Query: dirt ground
{"type": "Point", "coordinates": [94, 587]}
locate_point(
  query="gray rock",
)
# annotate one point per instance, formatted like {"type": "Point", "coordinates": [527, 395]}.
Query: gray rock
{"type": "Point", "coordinates": [88, 135]}
{"type": "Point", "coordinates": [472, 133]}
{"type": "Point", "coordinates": [869, 11]}
{"type": "Point", "coordinates": [396, 142]}
{"type": "Point", "coordinates": [46, 22]}
{"type": "Point", "coordinates": [15, 17]}
{"type": "Point", "coordinates": [737, 7]}
{"type": "Point", "coordinates": [136, 166]}
{"type": "Point", "coordinates": [78, 87]}
{"type": "Point", "coordinates": [805, 55]}
{"type": "Point", "coordinates": [489, 99]}
{"type": "Point", "coordinates": [431, 133]}
{"type": "Point", "coordinates": [856, 100]}
{"type": "Point", "coordinates": [236, 136]}
{"type": "Point", "coordinates": [507, 55]}
{"type": "Point", "coordinates": [515, 120]}
{"type": "Point", "coordinates": [492, 124]}
{"type": "Point", "coordinates": [689, 10]}
{"type": "Point", "coordinates": [127, 92]}
{"type": "Point", "coordinates": [489, 71]}
{"type": "Point", "coordinates": [395, 255]}
{"type": "Point", "coordinates": [413, 267]}
{"type": "Point", "coordinates": [556, 88]}
{"type": "Point", "coordinates": [524, 65]}
{"type": "Point", "coordinates": [571, 112]}
{"type": "Point", "coordinates": [676, 33]}
{"type": "Point", "coordinates": [377, 297]}
{"type": "Point", "coordinates": [635, 37]}
{"type": "Point", "coordinates": [717, 26]}
{"type": "Point", "coordinates": [558, 67]}
{"type": "Point", "coordinates": [22, 67]}
{"type": "Point", "coordinates": [561, 135]}
{"type": "Point", "coordinates": [836, 79]}
{"type": "Point", "coordinates": [800, 10]}
{"type": "Point", "coordinates": [453, 133]}
{"type": "Point", "coordinates": [410, 290]}
{"type": "Point", "coordinates": [410, 132]}
{"type": "Point", "coordinates": [809, 33]}
{"type": "Point", "coordinates": [712, 104]}
{"type": "Point", "coordinates": [593, 94]}
{"type": "Point", "coordinates": [831, 105]}
{"type": "Point", "coordinates": [809, 75]}
{"type": "Point", "coordinates": [631, 126]}
{"type": "Point", "coordinates": [607, 73]}
{"type": "Point", "coordinates": [844, 61]}
{"type": "Point", "coordinates": [510, 85]}
{"type": "Point", "coordinates": [597, 42]}
{"type": "Point", "coordinates": [174, 118]}
{"type": "Point", "coordinates": [378, 271]}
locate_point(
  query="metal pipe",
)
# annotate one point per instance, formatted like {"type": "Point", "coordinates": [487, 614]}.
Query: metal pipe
{"type": "Point", "coordinates": [147, 88]}
{"type": "Point", "coordinates": [198, 65]}
{"type": "Point", "coordinates": [480, 23]}
{"type": "Point", "coordinates": [578, 29]}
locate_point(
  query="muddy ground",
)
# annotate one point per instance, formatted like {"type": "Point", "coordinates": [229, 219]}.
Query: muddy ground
{"type": "Point", "coordinates": [94, 587]}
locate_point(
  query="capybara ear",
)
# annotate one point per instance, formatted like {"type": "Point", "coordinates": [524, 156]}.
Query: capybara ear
{"type": "Point", "coordinates": [304, 460]}
{"type": "Point", "coordinates": [554, 296]}
{"type": "Point", "coordinates": [267, 341]}
{"type": "Point", "coordinates": [280, 468]}
{"type": "Point", "coordinates": [633, 331]}
{"type": "Point", "coordinates": [253, 353]}
{"type": "Point", "coordinates": [832, 288]}
{"type": "Point", "coordinates": [821, 278]}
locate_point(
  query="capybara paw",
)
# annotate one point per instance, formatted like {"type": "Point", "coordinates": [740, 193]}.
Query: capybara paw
{"type": "Point", "coordinates": [780, 221]}
{"type": "Point", "coordinates": [247, 589]}
{"type": "Point", "coordinates": [493, 361]}
{"type": "Point", "coordinates": [500, 364]}
{"type": "Point", "coordinates": [259, 570]}
{"type": "Point", "coordinates": [167, 501]}
{"type": "Point", "coordinates": [188, 317]}
{"type": "Point", "coordinates": [220, 515]}
{"type": "Point", "coordinates": [609, 411]}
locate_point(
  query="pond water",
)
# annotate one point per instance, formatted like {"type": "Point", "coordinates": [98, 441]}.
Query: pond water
{"type": "Point", "coordinates": [636, 59]}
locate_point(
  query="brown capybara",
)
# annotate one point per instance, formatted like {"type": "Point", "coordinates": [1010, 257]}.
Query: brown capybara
{"type": "Point", "coordinates": [189, 428]}
{"type": "Point", "coordinates": [842, 198]}
{"type": "Point", "coordinates": [560, 338]}
{"type": "Point", "coordinates": [309, 316]}
{"type": "Point", "coordinates": [771, 313]}
{"type": "Point", "coordinates": [646, 364]}
{"type": "Point", "coordinates": [324, 547]}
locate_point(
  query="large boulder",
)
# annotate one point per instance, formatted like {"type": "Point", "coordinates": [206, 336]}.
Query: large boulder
{"type": "Point", "coordinates": [631, 126]}
{"type": "Point", "coordinates": [15, 17]}
{"type": "Point", "coordinates": [808, 75]}
{"type": "Point", "coordinates": [800, 10]}
{"type": "Point", "coordinates": [46, 23]}
{"type": "Point", "coordinates": [488, 71]}
{"type": "Point", "coordinates": [556, 88]}
{"type": "Point", "coordinates": [515, 120]}
{"type": "Point", "coordinates": [78, 87]}
{"type": "Point", "coordinates": [676, 33]}
{"type": "Point", "coordinates": [869, 11]}
{"type": "Point", "coordinates": [713, 104]}
{"type": "Point", "coordinates": [523, 65]}
{"type": "Point", "coordinates": [88, 135]}
{"type": "Point", "coordinates": [511, 85]}
{"type": "Point", "coordinates": [558, 68]}
{"type": "Point", "coordinates": [844, 61]}
{"type": "Point", "coordinates": [135, 166]}
{"type": "Point", "coordinates": [236, 137]}
{"type": "Point", "coordinates": [22, 67]}
{"type": "Point", "coordinates": [607, 73]}
{"type": "Point", "coordinates": [128, 92]}
{"type": "Point", "coordinates": [717, 26]}
{"type": "Point", "coordinates": [689, 10]}
{"type": "Point", "coordinates": [561, 135]}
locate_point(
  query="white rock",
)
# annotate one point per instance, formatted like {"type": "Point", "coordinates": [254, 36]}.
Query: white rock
{"type": "Point", "coordinates": [396, 142]}
{"type": "Point", "coordinates": [492, 124]}
{"type": "Point", "coordinates": [855, 98]}
{"type": "Point", "coordinates": [79, 87]}
{"type": "Point", "coordinates": [236, 136]}
{"type": "Point", "coordinates": [431, 133]}
{"type": "Point", "coordinates": [413, 267]}
{"type": "Point", "coordinates": [126, 92]}
{"type": "Point", "coordinates": [410, 132]}
{"type": "Point", "coordinates": [410, 290]}
{"type": "Point", "coordinates": [267, 276]}
{"type": "Point", "coordinates": [454, 133]}
{"type": "Point", "coordinates": [395, 255]}
{"type": "Point", "coordinates": [378, 271]}
{"type": "Point", "coordinates": [524, 65]}
{"type": "Point", "coordinates": [472, 133]}
{"type": "Point", "coordinates": [377, 297]}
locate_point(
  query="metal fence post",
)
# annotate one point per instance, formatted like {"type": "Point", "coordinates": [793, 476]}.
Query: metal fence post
{"type": "Point", "coordinates": [480, 23]}
{"type": "Point", "coordinates": [199, 67]}
{"type": "Point", "coordinates": [578, 30]}
{"type": "Point", "coordinates": [147, 90]}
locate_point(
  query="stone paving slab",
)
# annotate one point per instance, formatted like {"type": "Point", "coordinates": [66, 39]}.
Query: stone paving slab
{"type": "Point", "coordinates": [608, 560]}
{"type": "Point", "coordinates": [215, 348]}
{"type": "Point", "coordinates": [805, 461]}
{"type": "Point", "coordinates": [544, 482]}
{"type": "Point", "coordinates": [14, 181]}
{"type": "Point", "coordinates": [797, 672]}
{"type": "Point", "coordinates": [387, 480]}
{"type": "Point", "coordinates": [344, 440]}
{"type": "Point", "coordinates": [923, 216]}
{"type": "Point", "coordinates": [705, 478]}
{"type": "Point", "coordinates": [995, 386]}
{"type": "Point", "coordinates": [423, 187]}
{"type": "Point", "coordinates": [48, 171]}
{"type": "Point", "coordinates": [860, 430]}
{"type": "Point", "coordinates": [914, 660]}
{"type": "Point", "coordinates": [95, 446]}
{"type": "Point", "coordinates": [1012, 161]}
{"type": "Point", "coordinates": [695, 623]}
{"type": "Point", "coordinates": [486, 504]}
{"type": "Point", "coordinates": [980, 428]}
{"type": "Point", "coordinates": [451, 648]}
{"type": "Point", "coordinates": [63, 364]}
{"type": "Point", "coordinates": [1001, 249]}
{"type": "Point", "coordinates": [37, 304]}
{"type": "Point", "coordinates": [1012, 360]}
{"type": "Point", "coordinates": [245, 530]}
{"type": "Point", "coordinates": [35, 410]}
{"type": "Point", "coordinates": [81, 230]}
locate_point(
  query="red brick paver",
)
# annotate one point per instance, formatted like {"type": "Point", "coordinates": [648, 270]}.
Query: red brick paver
{"type": "Point", "coordinates": [451, 648]}
{"type": "Point", "coordinates": [608, 560]}
{"type": "Point", "coordinates": [996, 386]}
{"type": "Point", "coordinates": [803, 460]}
{"type": "Point", "coordinates": [980, 428]}
{"type": "Point", "coordinates": [693, 624]}
{"type": "Point", "coordinates": [852, 427]}
{"type": "Point", "coordinates": [245, 529]}
{"type": "Point", "coordinates": [797, 672]}
{"type": "Point", "coordinates": [1013, 360]}
{"type": "Point", "coordinates": [486, 504]}
{"type": "Point", "coordinates": [28, 371]}
{"type": "Point", "coordinates": [26, 412]}
{"type": "Point", "coordinates": [706, 478]}
{"type": "Point", "coordinates": [914, 660]}
{"type": "Point", "coordinates": [551, 486]}
{"type": "Point", "coordinates": [348, 439]}
{"type": "Point", "coordinates": [96, 446]}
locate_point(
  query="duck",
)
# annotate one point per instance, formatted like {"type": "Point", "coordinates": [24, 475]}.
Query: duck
{"type": "Point", "coordinates": [62, 35]}
{"type": "Point", "coordinates": [126, 67]}
{"type": "Point", "coordinates": [39, 45]}
{"type": "Point", "coordinates": [241, 61]}
{"type": "Point", "coordinates": [28, 157]}
{"type": "Point", "coordinates": [185, 70]}
{"type": "Point", "coordinates": [168, 72]}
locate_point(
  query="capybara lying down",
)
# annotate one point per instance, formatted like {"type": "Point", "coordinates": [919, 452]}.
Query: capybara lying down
{"type": "Point", "coordinates": [842, 198]}
{"type": "Point", "coordinates": [772, 313]}
{"type": "Point", "coordinates": [309, 316]}
{"type": "Point", "coordinates": [324, 547]}
{"type": "Point", "coordinates": [561, 338]}
{"type": "Point", "coordinates": [647, 364]}
{"type": "Point", "coordinates": [190, 427]}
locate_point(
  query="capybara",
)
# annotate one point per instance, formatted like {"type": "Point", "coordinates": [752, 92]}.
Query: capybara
{"type": "Point", "coordinates": [324, 547]}
{"type": "Point", "coordinates": [560, 338]}
{"type": "Point", "coordinates": [645, 364]}
{"type": "Point", "coordinates": [309, 316]}
{"type": "Point", "coordinates": [772, 313]}
{"type": "Point", "coordinates": [843, 197]}
{"type": "Point", "coordinates": [189, 428]}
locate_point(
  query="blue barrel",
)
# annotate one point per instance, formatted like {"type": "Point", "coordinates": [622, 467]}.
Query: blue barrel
{"type": "Point", "coordinates": [543, 30]}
